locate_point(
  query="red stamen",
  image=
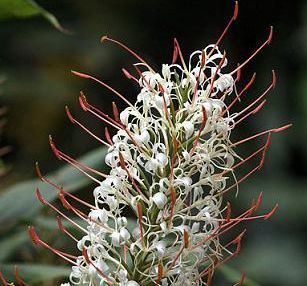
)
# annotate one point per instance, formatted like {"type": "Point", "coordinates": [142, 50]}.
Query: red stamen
{"type": "Point", "coordinates": [37, 241]}
{"type": "Point", "coordinates": [272, 212]}
{"type": "Point", "coordinates": [202, 126]}
{"type": "Point", "coordinates": [267, 41]}
{"type": "Point", "coordinates": [64, 230]}
{"type": "Point", "coordinates": [248, 85]}
{"type": "Point", "coordinates": [107, 135]}
{"type": "Point", "coordinates": [60, 189]}
{"type": "Point", "coordinates": [74, 121]}
{"type": "Point", "coordinates": [176, 44]}
{"type": "Point", "coordinates": [260, 97]}
{"type": "Point", "coordinates": [103, 84]}
{"type": "Point", "coordinates": [274, 130]}
{"type": "Point", "coordinates": [87, 259]}
{"type": "Point", "coordinates": [253, 112]}
{"type": "Point", "coordinates": [78, 165]}
{"type": "Point", "coordinates": [236, 241]}
{"type": "Point", "coordinates": [185, 238]}
{"type": "Point", "coordinates": [266, 147]}
{"type": "Point", "coordinates": [98, 113]}
{"type": "Point", "coordinates": [129, 75]}
{"type": "Point", "coordinates": [233, 18]}
{"type": "Point", "coordinates": [160, 273]}
{"type": "Point", "coordinates": [43, 201]}
{"type": "Point", "coordinates": [115, 112]}
{"type": "Point", "coordinates": [106, 38]}
{"type": "Point", "coordinates": [64, 202]}
{"type": "Point", "coordinates": [123, 166]}
{"type": "Point", "coordinates": [175, 54]}
{"type": "Point", "coordinates": [173, 203]}
{"type": "Point", "coordinates": [238, 77]}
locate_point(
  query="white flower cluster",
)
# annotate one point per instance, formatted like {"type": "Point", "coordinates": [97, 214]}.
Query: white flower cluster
{"type": "Point", "coordinates": [169, 165]}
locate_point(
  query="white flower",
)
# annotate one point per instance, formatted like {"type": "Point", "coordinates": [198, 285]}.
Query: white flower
{"type": "Point", "coordinates": [160, 200]}
{"type": "Point", "coordinates": [171, 162]}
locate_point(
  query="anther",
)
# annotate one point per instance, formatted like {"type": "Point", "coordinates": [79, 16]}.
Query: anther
{"type": "Point", "coordinates": [115, 112]}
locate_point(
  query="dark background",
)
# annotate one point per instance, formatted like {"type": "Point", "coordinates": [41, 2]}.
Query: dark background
{"type": "Point", "coordinates": [36, 59]}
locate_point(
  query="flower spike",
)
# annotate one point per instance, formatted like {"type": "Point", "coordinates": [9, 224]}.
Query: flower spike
{"type": "Point", "coordinates": [172, 161]}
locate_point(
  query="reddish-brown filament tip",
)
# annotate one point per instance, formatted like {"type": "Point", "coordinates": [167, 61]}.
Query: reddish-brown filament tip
{"type": "Point", "coordinates": [53, 148]}
{"type": "Point", "coordinates": [186, 238]}
{"type": "Point", "coordinates": [173, 203]}
{"type": "Point", "coordinates": [175, 54]}
{"type": "Point", "coordinates": [266, 42]}
{"type": "Point", "coordinates": [177, 46]}
{"type": "Point", "coordinates": [87, 259]}
{"type": "Point", "coordinates": [238, 77]}
{"type": "Point", "coordinates": [233, 18]}
{"type": "Point", "coordinates": [129, 75]}
{"type": "Point", "coordinates": [80, 74]}
{"type": "Point", "coordinates": [272, 212]}
{"type": "Point", "coordinates": [236, 10]}
{"type": "Point", "coordinates": [60, 189]}
{"type": "Point", "coordinates": [266, 147]}
{"type": "Point", "coordinates": [202, 126]}
{"type": "Point", "coordinates": [160, 272]}
{"type": "Point", "coordinates": [36, 240]}
{"type": "Point", "coordinates": [39, 196]}
{"type": "Point", "coordinates": [106, 38]}
{"type": "Point", "coordinates": [121, 161]}
{"type": "Point", "coordinates": [107, 135]}
{"type": "Point", "coordinates": [115, 112]}
{"type": "Point", "coordinates": [274, 130]}
{"type": "Point", "coordinates": [63, 200]}
{"type": "Point", "coordinates": [74, 121]}
{"type": "Point", "coordinates": [83, 101]}
{"type": "Point", "coordinates": [69, 115]}
{"type": "Point", "coordinates": [103, 84]}
{"type": "Point", "coordinates": [33, 235]}
{"type": "Point", "coordinates": [259, 201]}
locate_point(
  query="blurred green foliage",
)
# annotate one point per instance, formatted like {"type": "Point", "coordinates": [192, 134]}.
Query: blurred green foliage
{"type": "Point", "coordinates": [37, 59]}
{"type": "Point", "coordinates": [25, 9]}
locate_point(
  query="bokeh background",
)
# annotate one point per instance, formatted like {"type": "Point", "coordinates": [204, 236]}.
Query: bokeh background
{"type": "Point", "coordinates": [36, 84]}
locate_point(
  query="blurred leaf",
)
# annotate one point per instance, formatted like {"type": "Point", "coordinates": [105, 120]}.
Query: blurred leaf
{"type": "Point", "coordinates": [25, 9]}
{"type": "Point", "coordinates": [34, 273]}
{"type": "Point", "coordinates": [234, 276]}
{"type": "Point", "coordinates": [19, 201]}
{"type": "Point", "coordinates": [9, 243]}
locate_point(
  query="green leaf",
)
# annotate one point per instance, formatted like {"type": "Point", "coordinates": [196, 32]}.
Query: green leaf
{"type": "Point", "coordinates": [34, 273]}
{"type": "Point", "coordinates": [234, 276]}
{"type": "Point", "coordinates": [25, 9]}
{"type": "Point", "coordinates": [20, 202]}
{"type": "Point", "coordinates": [9, 243]}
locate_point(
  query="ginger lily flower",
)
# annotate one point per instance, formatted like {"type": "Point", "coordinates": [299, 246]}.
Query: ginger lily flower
{"type": "Point", "coordinates": [172, 160]}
